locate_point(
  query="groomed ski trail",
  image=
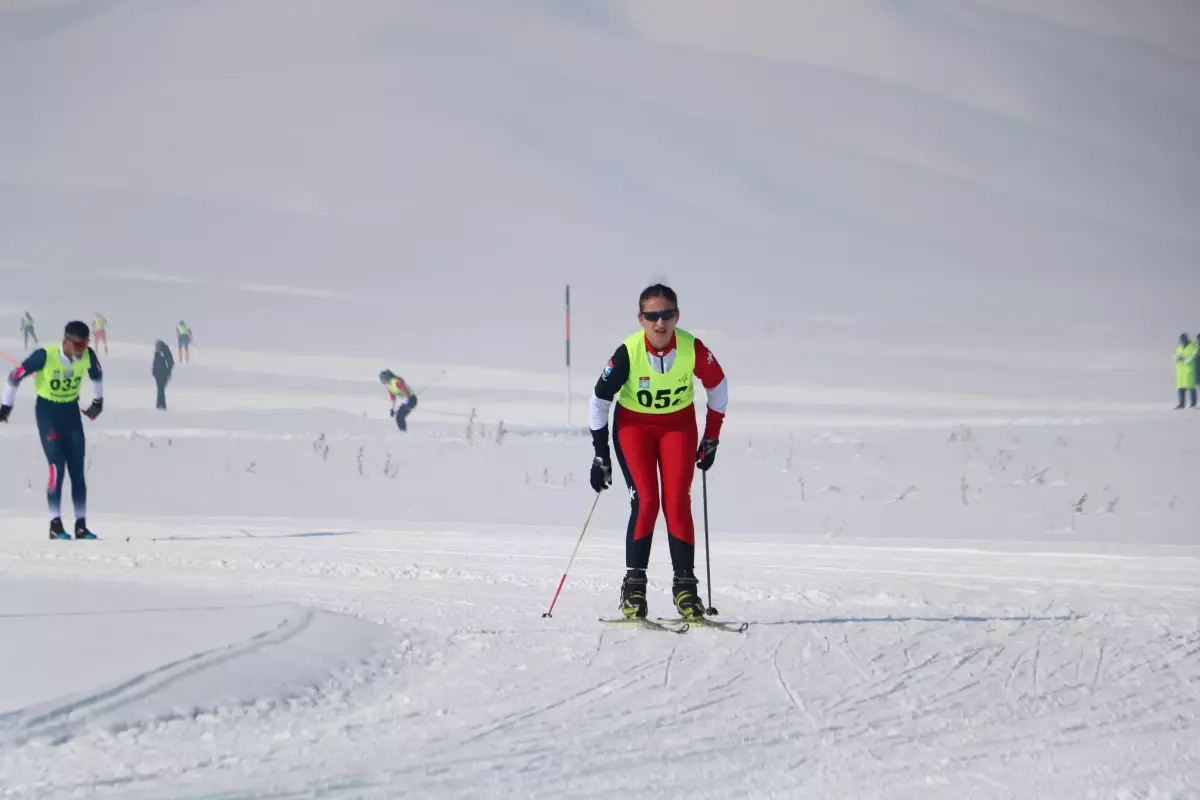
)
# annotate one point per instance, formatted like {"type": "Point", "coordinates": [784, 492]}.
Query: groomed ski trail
{"type": "Point", "coordinates": [842, 683]}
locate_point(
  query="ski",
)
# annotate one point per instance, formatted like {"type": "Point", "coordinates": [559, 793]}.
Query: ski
{"type": "Point", "coordinates": [637, 622]}
{"type": "Point", "coordinates": [703, 622]}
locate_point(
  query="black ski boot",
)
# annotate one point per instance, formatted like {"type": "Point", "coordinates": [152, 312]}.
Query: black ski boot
{"type": "Point", "coordinates": [633, 595]}
{"type": "Point", "coordinates": [81, 530]}
{"type": "Point", "coordinates": [686, 590]}
{"type": "Point", "coordinates": [57, 531]}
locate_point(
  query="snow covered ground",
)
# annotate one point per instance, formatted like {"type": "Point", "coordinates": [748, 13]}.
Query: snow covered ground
{"type": "Point", "coordinates": [943, 250]}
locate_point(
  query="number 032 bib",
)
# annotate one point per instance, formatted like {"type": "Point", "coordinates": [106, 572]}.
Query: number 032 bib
{"type": "Point", "coordinates": [650, 392]}
{"type": "Point", "coordinates": [60, 384]}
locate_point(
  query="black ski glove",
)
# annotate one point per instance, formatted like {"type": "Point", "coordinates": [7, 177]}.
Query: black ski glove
{"type": "Point", "coordinates": [601, 471]}
{"type": "Point", "coordinates": [706, 453]}
{"type": "Point", "coordinates": [93, 411]}
{"type": "Point", "coordinates": [4, 412]}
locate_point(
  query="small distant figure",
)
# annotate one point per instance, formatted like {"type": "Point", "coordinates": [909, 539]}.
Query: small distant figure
{"type": "Point", "coordinates": [27, 331]}
{"type": "Point", "coordinates": [183, 336]}
{"type": "Point", "coordinates": [1185, 369]}
{"type": "Point", "coordinates": [100, 330]}
{"type": "Point", "coordinates": [164, 363]}
{"type": "Point", "coordinates": [404, 399]}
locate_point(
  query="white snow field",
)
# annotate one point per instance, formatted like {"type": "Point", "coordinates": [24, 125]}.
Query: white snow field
{"type": "Point", "coordinates": [944, 251]}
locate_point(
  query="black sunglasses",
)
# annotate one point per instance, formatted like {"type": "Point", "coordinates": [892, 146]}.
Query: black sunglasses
{"type": "Point", "coordinates": [655, 316]}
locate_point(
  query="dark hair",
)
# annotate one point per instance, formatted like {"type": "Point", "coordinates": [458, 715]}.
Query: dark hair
{"type": "Point", "coordinates": [657, 290]}
{"type": "Point", "coordinates": [77, 329]}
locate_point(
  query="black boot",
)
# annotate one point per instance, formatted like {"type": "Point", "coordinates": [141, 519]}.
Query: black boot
{"type": "Point", "coordinates": [81, 530]}
{"type": "Point", "coordinates": [57, 531]}
{"type": "Point", "coordinates": [686, 590]}
{"type": "Point", "coordinates": [633, 594]}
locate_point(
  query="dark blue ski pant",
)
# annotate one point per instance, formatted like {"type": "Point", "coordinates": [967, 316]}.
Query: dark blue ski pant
{"type": "Point", "coordinates": [60, 427]}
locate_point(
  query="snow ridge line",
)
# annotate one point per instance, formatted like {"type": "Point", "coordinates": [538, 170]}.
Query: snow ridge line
{"type": "Point", "coordinates": [60, 719]}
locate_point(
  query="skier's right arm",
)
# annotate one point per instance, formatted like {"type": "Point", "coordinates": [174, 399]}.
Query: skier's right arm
{"type": "Point", "coordinates": [616, 372]}
{"type": "Point", "coordinates": [611, 380]}
{"type": "Point", "coordinates": [30, 366]}
{"type": "Point", "coordinates": [392, 396]}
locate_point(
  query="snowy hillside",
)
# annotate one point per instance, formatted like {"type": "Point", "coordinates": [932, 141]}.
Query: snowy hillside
{"type": "Point", "coordinates": [943, 250]}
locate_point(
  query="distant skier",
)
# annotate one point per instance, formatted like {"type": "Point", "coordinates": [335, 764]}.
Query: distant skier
{"type": "Point", "coordinates": [183, 336]}
{"type": "Point", "coordinates": [1185, 368]}
{"type": "Point", "coordinates": [404, 400]}
{"type": "Point", "coordinates": [100, 328]}
{"type": "Point", "coordinates": [651, 376]}
{"type": "Point", "coordinates": [58, 371]}
{"type": "Point", "coordinates": [163, 365]}
{"type": "Point", "coordinates": [27, 331]}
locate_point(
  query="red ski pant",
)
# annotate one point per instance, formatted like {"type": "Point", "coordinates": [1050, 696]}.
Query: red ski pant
{"type": "Point", "coordinates": [658, 450]}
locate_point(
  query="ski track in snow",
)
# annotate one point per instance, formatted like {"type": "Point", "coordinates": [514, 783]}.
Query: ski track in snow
{"type": "Point", "coordinates": [928, 688]}
{"type": "Point", "coordinates": [53, 723]}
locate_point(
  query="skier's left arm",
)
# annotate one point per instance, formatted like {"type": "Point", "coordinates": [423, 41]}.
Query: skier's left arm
{"type": "Point", "coordinates": [96, 373]}
{"type": "Point", "coordinates": [716, 386]}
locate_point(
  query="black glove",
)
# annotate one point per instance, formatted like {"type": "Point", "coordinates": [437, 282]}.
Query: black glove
{"type": "Point", "coordinates": [601, 471]}
{"type": "Point", "coordinates": [391, 412]}
{"type": "Point", "coordinates": [93, 411]}
{"type": "Point", "coordinates": [706, 453]}
{"type": "Point", "coordinates": [4, 412]}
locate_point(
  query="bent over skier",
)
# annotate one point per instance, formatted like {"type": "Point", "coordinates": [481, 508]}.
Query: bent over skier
{"type": "Point", "coordinates": [404, 399]}
{"type": "Point", "coordinates": [654, 431]}
{"type": "Point", "coordinates": [58, 371]}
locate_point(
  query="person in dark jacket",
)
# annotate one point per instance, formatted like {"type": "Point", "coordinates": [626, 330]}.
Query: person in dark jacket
{"type": "Point", "coordinates": [164, 363]}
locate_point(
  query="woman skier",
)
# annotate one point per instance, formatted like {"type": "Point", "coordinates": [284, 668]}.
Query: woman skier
{"type": "Point", "coordinates": [651, 377]}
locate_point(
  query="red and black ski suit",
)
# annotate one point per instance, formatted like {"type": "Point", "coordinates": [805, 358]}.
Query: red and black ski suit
{"type": "Point", "coordinates": [654, 447]}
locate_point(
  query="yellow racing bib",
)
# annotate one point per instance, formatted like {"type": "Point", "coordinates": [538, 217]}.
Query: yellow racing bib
{"type": "Point", "coordinates": [60, 384]}
{"type": "Point", "coordinates": [651, 392]}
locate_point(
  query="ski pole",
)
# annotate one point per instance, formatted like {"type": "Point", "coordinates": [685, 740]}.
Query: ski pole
{"type": "Point", "coordinates": [712, 612]}
{"type": "Point", "coordinates": [572, 561]}
{"type": "Point", "coordinates": [427, 386]}
{"type": "Point", "coordinates": [10, 358]}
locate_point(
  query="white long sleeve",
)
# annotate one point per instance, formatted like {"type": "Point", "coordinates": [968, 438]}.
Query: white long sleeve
{"type": "Point", "coordinates": [598, 412]}
{"type": "Point", "coordinates": [718, 396]}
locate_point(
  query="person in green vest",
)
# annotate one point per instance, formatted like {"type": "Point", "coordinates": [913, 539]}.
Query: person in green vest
{"type": "Point", "coordinates": [100, 328]}
{"type": "Point", "coordinates": [183, 338]}
{"type": "Point", "coordinates": [58, 371]}
{"type": "Point", "coordinates": [27, 331]}
{"type": "Point", "coordinates": [657, 444]}
{"type": "Point", "coordinates": [1185, 369]}
{"type": "Point", "coordinates": [404, 399]}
